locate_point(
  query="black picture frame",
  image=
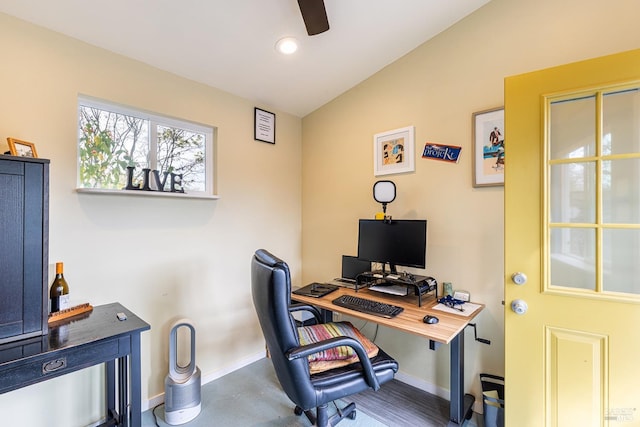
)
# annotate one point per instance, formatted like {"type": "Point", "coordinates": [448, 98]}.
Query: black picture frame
{"type": "Point", "coordinates": [264, 125]}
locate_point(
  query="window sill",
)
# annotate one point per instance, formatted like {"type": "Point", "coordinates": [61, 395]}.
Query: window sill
{"type": "Point", "coordinates": [142, 193]}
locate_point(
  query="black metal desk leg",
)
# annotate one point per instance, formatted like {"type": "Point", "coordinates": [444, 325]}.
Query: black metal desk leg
{"type": "Point", "coordinates": [461, 403]}
{"type": "Point", "coordinates": [457, 379]}
{"type": "Point", "coordinates": [326, 315]}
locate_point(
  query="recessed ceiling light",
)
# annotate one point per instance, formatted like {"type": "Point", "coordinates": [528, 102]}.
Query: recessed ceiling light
{"type": "Point", "coordinates": [287, 45]}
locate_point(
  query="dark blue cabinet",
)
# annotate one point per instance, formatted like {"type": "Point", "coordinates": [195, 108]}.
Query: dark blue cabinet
{"type": "Point", "coordinates": [24, 247]}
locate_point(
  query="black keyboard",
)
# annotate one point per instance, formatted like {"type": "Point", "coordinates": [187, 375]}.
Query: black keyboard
{"type": "Point", "coordinates": [368, 306]}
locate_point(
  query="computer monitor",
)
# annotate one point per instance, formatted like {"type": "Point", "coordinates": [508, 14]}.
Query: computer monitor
{"type": "Point", "coordinates": [353, 266]}
{"type": "Point", "coordinates": [395, 242]}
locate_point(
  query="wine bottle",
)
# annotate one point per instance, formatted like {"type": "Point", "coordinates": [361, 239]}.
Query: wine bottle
{"type": "Point", "coordinates": [59, 292]}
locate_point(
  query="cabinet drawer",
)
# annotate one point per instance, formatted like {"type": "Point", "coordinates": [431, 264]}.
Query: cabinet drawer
{"type": "Point", "coordinates": [58, 363]}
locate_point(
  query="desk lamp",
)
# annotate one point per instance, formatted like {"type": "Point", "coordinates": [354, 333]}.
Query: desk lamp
{"type": "Point", "coordinates": [384, 192]}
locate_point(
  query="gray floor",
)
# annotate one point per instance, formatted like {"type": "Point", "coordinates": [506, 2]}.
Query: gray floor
{"type": "Point", "coordinates": [251, 396]}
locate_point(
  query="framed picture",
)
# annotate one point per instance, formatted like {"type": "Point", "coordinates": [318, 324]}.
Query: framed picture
{"type": "Point", "coordinates": [21, 148]}
{"type": "Point", "coordinates": [264, 126]}
{"type": "Point", "coordinates": [393, 151]}
{"type": "Point", "coordinates": [488, 147]}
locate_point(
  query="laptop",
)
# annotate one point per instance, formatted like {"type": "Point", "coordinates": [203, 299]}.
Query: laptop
{"type": "Point", "coordinates": [352, 266]}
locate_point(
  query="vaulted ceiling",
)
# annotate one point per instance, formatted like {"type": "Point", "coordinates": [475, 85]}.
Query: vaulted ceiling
{"type": "Point", "coordinates": [229, 44]}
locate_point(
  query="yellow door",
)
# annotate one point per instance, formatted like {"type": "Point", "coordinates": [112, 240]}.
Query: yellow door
{"type": "Point", "coordinates": [572, 229]}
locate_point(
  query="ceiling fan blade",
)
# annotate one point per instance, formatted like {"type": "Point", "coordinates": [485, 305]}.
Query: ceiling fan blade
{"type": "Point", "coordinates": [314, 15]}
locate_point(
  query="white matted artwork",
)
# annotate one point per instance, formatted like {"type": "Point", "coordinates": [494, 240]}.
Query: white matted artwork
{"type": "Point", "coordinates": [393, 151]}
{"type": "Point", "coordinates": [488, 148]}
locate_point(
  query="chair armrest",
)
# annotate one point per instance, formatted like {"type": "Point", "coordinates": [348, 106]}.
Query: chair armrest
{"type": "Point", "coordinates": [308, 308]}
{"type": "Point", "coordinates": [367, 368]}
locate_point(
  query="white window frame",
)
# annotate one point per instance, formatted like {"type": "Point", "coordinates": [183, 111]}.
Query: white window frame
{"type": "Point", "coordinates": [154, 120]}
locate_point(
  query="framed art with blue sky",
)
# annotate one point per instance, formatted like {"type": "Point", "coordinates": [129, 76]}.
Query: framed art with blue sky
{"type": "Point", "coordinates": [393, 151]}
{"type": "Point", "coordinates": [488, 147]}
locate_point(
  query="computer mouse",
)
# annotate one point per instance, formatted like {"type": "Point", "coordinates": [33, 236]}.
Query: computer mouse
{"type": "Point", "coordinates": [430, 319]}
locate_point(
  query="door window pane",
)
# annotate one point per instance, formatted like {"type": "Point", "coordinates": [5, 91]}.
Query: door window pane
{"type": "Point", "coordinates": [621, 122]}
{"type": "Point", "coordinates": [621, 191]}
{"type": "Point", "coordinates": [572, 128]}
{"type": "Point", "coordinates": [573, 258]}
{"type": "Point", "coordinates": [572, 192]}
{"type": "Point", "coordinates": [621, 256]}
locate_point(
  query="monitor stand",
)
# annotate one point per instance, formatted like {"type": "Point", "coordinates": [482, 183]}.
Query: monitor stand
{"type": "Point", "coordinates": [421, 285]}
{"type": "Point", "coordinates": [392, 269]}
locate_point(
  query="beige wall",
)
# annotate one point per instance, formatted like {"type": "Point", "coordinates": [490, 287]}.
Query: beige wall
{"type": "Point", "coordinates": [167, 258]}
{"type": "Point", "coordinates": [436, 88]}
{"type": "Point", "coordinates": [163, 258]}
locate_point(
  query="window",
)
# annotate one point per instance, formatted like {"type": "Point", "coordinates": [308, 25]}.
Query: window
{"type": "Point", "coordinates": [593, 192]}
{"type": "Point", "coordinates": [122, 148]}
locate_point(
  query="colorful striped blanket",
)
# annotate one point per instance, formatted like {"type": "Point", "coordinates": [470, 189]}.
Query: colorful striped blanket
{"type": "Point", "coordinates": [337, 356]}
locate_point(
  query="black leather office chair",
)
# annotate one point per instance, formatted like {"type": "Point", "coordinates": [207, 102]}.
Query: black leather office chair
{"type": "Point", "coordinates": [271, 290]}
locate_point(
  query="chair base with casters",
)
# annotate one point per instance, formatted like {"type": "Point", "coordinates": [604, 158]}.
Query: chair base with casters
{"type": "Point", "coordinates": [271, 293]}
{"type": "Point", "coordinates": [381, 362]}
{"type": "Point", "coordinates": [321, 417]}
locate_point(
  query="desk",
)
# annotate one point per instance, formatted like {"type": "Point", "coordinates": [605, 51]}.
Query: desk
{"type": "Point", "coordinates": [80, 342]}
{"type": "Point", "coordinates": [450, 330]}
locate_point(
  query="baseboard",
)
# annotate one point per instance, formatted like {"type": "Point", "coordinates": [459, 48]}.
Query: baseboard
{"type": "Point", "coordinates": [433, 389]}
{"type": "Point", "coordinates": [400, 376]}
{"type": "Point", "coordinates": [154, 401]}
{"type": "Point", "coordinates": [423, 385]}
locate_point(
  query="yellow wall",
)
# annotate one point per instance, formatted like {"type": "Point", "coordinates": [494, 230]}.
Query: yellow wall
{"type": "Point", "coordinates": [436, 88]}
{"type": "Point", "coordinates": [162, 258]}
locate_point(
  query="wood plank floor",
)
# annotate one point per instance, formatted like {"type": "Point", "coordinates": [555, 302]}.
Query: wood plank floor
{"type": "Point", "coordinates": [252, 396]}
{"type": "Point", "coordinates": [398, 404]}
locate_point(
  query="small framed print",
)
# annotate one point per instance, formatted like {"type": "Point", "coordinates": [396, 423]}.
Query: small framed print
{"type": "Point", "coordinates": [393, 151]}
{"type": "Point", "coordinates": [21, 148]}
{"type": "Point", "coordinates": [264, 128]}
{"type": "Point", "coordinates": [488, 147]}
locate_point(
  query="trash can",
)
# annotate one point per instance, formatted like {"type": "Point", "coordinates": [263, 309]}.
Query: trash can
{"type": "Point", "coordinates": [492, 400]}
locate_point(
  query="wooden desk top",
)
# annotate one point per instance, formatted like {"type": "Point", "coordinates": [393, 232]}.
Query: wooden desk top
{"type": "Point", "coordinates": [410, 320]}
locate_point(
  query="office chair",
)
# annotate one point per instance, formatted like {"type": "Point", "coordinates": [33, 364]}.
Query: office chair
{"type": "Point", "coordinates": [271, 291]}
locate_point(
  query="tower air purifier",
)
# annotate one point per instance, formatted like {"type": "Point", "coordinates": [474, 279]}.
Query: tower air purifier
{"type": "Point", "coordinates": [182, 384]}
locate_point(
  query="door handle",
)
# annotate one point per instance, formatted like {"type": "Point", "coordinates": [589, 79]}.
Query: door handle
{"type": "Point", "coordinates": [519, 306]}
{"type": "Point", "coordinates": [519, 278]}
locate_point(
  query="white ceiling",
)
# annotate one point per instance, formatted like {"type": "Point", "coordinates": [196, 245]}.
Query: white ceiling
{"type": "Point", "coordinates": [229, 44]}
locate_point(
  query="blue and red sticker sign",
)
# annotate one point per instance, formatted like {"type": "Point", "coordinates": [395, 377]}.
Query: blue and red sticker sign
{"type": "Point", "coordinates": [444, 153]}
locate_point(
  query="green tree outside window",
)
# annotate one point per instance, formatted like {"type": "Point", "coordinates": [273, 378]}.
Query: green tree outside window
{"type": "Point", "coordinates": [110, 141]}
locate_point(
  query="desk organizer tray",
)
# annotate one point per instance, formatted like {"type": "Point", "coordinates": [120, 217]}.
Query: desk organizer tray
{"type": "Point", "coordinates": [316, 290]}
